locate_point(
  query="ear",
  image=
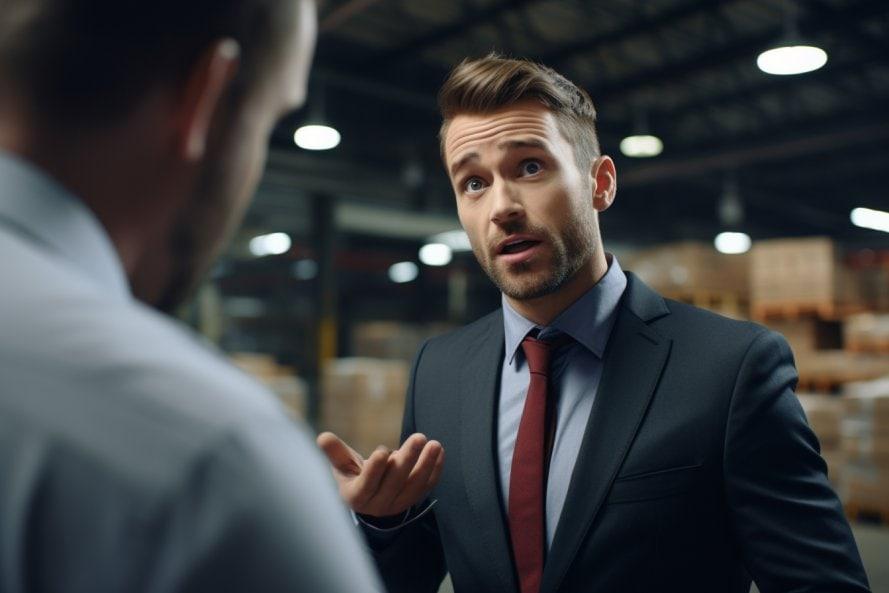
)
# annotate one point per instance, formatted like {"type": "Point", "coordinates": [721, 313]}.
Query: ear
{"type": "Point", "coordinates": [200, 99]}
{"type": "Point", "coordinates": [605, 174]}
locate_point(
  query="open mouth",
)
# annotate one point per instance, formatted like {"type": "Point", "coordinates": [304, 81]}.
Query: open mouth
{"type": "Point", "coordinates": [518, 246]}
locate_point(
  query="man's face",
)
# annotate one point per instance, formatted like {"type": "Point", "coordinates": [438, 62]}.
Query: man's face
{"type": "Point", "coordinates": [523, 201]}
{"type": "Point", "coordinates": [235, 158]}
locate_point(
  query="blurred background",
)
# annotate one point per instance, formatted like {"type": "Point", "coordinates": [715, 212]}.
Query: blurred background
{"type": "Point", "coordinates": [751, 182]}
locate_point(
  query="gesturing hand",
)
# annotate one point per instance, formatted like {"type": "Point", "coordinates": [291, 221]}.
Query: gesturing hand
{"type": "Point", "coordinates": [388, 482]}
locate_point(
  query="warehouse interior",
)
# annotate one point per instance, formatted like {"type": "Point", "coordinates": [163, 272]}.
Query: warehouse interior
{"type": "Point", "coordinates": [351, 257]}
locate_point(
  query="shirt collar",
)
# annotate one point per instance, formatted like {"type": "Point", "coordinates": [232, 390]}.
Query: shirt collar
{"type": "Point", "coordinates": [588, 320]}
{"type": "Point", "coordinates": [38, 206]}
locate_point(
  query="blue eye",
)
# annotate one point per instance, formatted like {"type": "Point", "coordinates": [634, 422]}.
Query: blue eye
{"type": "Point", "coordinates": [474, 185]}
{"type": "Point", "coordinates": [531, 168]}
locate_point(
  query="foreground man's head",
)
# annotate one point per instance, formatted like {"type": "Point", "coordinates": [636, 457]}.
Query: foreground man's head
{"type": "Point", "coordinates": [155, 114]}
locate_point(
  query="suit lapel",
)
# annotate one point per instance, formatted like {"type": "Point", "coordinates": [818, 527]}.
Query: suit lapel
{"type": "Point", "coordinates": [633, 363]}
{"type": "Point", "coordinates": [481, 380]}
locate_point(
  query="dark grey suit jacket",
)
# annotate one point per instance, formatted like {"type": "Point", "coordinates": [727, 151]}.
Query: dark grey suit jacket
{"type": "Point", "coordinates": [697, 470]}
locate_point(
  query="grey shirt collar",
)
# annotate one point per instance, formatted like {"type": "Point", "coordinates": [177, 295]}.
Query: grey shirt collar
{"type": "Point", "coordinates": [37, 206]}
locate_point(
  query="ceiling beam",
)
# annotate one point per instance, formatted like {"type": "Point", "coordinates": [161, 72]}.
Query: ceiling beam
{"type": "Point", "coordinates": [831, 71]}
{"type": "Point", "coordinates": [640, 26]}
{"type": "Point", "coordinates": [707, 161]}
{"type": "Point", "coordinates": [477, 17]}
{"type": "Point", "coordinates": [744, 48]}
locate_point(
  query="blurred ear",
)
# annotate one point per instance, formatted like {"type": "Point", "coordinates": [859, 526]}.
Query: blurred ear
{"type": "Point", "coordinates": [200, 100]}
{"type": "Point", "coordinates": [605, 175]}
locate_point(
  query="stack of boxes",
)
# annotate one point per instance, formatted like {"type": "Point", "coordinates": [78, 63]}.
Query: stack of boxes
{"type": "Point", "coordinates": [865, 444]}
{"type": "Point", "coordinates": [362, 401]}
{"type": "Point", "coordinates": [696, 273]}
{"type": "Point", "coordinates": [867, 332]}
{"type": "Point", "coordinates": [393, 340]}
{"type": "Point", "coordinates": [796, 275]}
{"type": "Point", "coordinates": [279, 379]}
{"type": "Point", "coordinates": [825, 416]}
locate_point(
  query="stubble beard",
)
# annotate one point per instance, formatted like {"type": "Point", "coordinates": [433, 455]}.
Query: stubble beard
{"type": "Point", "coordinates": [521, 282]}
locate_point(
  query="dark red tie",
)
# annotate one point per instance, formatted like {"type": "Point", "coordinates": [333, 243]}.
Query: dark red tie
{"type": "Point", "coordinates": [527, 478]}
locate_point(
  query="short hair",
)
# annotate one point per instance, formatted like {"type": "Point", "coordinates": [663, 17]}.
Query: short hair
{"type": "Point", "coordinates": [484, 85]}
{"type": "Point", "coordinates": [80, 62]}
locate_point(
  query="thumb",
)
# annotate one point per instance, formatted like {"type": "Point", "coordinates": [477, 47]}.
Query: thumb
{"type": "Point", "coordinates": [341, 456]}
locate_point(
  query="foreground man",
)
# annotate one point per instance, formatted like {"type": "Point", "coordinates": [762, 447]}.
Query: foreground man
{"type": "Point", "coordinates": [598, 437]}
{"type": "Point", "coordinates": [132, 135]}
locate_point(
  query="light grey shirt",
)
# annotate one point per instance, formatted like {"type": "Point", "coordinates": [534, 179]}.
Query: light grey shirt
{"type": "Point", "coordinates": [132, 457]}
{"type": "Point", "coordinates": [574, 379]}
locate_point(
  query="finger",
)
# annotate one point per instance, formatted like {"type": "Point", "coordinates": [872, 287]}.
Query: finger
{"type": "Point", "coordinates": [367, 484]}
{"type": "Point", "coordinates": [399, 467]}
{"type": "Point", "coordinates": [436, 471]}
{"type": "Point", "coordinates": [342, 457]}
{"type": "Point", "coordinates": [417, 484]}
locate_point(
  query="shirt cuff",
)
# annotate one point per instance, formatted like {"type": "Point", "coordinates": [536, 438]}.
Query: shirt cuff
{"type": "Point", "coordinates": [381, 530]}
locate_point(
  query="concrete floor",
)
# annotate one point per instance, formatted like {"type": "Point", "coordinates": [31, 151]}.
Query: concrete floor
{"type": "Point", "coordinates": [873, 544]}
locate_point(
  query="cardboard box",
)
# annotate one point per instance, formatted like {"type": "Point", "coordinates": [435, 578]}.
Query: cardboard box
{"type": "Point", "coordinates": [836, 463]}
{"type": "Point", "coordinates": [806, 271]}
{"type": "Point", "coordinates": [362, 401]}
{"type": "Point", "coordinates": [839, 368]}
{"type": "Point", "coordinates": [867, 402]}
{"type": "Point", "coordinates": [866, 485]}
{"type": "Point", "coordinates": [687, 267]}
{"type": "Point", "coordinates": [824, 414]}
{"type": "Point", "coordinates": [279, 379]}
{"type": "Point", "coordinates": [806, 335]}
{"type": "Point", "coordinates": [867, 332]}
{"type": "Point", "coordinates": [391, 339]}
{"type": "Point", "coordinates": [386, 339]}
{"type": "Point", "coordinates": [873, 448]}
{"type": "Point", "coordinates": [875, 287]}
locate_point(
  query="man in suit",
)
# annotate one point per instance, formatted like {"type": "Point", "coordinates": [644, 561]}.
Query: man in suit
{"type": "Point", "coordinates": [132, 457]}
{"type": "Point", "coordinates": [599, 437]}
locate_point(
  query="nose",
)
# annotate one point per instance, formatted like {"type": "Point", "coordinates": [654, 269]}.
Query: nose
{"type": "Point", "coordinates": [506, 205]}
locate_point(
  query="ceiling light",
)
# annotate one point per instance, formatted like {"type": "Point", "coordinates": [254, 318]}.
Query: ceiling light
{"type": "Point", "coordinates": [271, 244]}
{"type": "Point", "coordinates": [457, 240]}
{"type": "Point", "coordinates": [791, 59]}
{"type": "Point", "coordinates": [316, 137]}
{"type": "Point", "coordinates": [870, 219]}
{"type": "Point", "coordinates": [732, 243]}
{"type": "Point", "coordinates": [791, 55]}
{"type": "Point", "coordinates": [435, 254]}
{"type": "Point", "coordinates": [403, 271]}
{"type": "Point", "coordinates": [641, 145]}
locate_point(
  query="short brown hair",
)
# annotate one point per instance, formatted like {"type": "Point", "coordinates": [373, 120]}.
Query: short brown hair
{"type": "Point", "coordinates": [490, 83]}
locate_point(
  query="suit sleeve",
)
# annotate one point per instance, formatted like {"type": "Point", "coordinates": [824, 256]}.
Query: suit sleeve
{"type": "Point", "coordinates": [411, 561]}
{"type": "Point", "coordinates": [786, 518]}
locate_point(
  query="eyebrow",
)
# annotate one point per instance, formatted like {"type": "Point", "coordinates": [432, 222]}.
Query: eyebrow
{"type": "Point", "coordinates": [530, 143]}
{"type": "Point", "coordinates": [465, 159]}
{"type": "Point", "coordinates": [505, 145]}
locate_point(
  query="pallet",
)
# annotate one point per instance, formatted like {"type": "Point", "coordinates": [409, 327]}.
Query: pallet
{"type": "Point", "coordinates": [868, 346]}
{"type": "Point", "coordinates": [828, 311]}
{"type": "Point", "coordinates": [867, 513]}
{"type": "Point", "coordinates": [821, 384]}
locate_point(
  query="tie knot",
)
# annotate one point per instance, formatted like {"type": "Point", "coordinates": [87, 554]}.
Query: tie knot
{"type": "Point", "coordinates": [539, 352]}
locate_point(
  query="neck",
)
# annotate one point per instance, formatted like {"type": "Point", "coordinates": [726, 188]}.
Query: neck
{"type": "Point", "coordinates": [544, 309]}
{"type": "Point", "coordinates": [115, 171]}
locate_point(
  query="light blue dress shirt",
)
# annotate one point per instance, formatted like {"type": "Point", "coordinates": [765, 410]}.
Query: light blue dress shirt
{"type": "Point", "coordinates": [132, 457]}
{"type": "Point", "coordinates": [574, 378]}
